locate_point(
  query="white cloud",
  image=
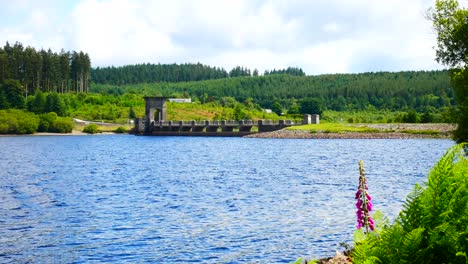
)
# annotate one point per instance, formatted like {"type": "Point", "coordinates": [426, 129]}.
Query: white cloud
{"type": "Point", "coordinates": [331, 27]}
{"type": "Point", "coordinates": [328, 57]}
{"type": "Point", "coordinates": [13, 35]}
{"type": "Point", "coordinates": [318, 36]}
{"type": "Point", "coordinates": [115, 32]}
{"type": "Point", "coordinates": [33, 23]}
{"type": "Point", "coordinates": [255, 58]}
{"type": "Point", "coordinates": [39, 20]}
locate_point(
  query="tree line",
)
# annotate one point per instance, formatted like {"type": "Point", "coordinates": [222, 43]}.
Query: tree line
{"type": "Point", "coordinates": [45, 70]}
{"type": "Point", "coordinates": [294, 71]}
{"type": "Point", "coordinates": [174, 73]}
{"type": "Point", "coordinates": [149, 73]}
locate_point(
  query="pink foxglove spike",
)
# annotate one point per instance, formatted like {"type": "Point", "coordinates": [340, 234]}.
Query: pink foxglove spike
{"type": "Point", "coordinates": [364, 202]}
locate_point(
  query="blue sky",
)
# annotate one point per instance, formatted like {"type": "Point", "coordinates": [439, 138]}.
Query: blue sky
{"type": "Point", "coordinates": [320, 36]}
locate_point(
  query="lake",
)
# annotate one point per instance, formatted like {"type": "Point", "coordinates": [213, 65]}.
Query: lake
{"type": "Point", "coordinates": [123, 198]}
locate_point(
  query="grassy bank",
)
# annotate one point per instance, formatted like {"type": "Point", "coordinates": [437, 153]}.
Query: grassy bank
{"type": "Point", "coordinates": [434, 130]}
{"type": "Point", "coordinates": [334, 128]}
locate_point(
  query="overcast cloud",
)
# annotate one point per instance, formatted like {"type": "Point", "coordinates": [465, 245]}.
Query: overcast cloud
{"type": "Point", "coordinates": [320, 36]}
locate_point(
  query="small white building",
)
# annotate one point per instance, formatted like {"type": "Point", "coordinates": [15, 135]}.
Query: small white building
{"type": "Point", "coordinates": [268, 111]}
{"type": "Point", "coordinates": [180, 100]}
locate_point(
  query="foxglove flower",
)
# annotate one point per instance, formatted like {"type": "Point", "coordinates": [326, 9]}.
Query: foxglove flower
{"type": "Point", "coordinates": [364, 202]}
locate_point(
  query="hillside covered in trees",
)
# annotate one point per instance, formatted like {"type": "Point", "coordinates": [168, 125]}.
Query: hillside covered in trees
{"type": "Point", "coordinates": [416, 90]}
{"type": "Point", "coordinates": [150, 73]}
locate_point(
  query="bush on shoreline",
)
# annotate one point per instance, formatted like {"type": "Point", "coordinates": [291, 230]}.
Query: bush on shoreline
{"type": "Point", "coordinates": [13, 121]}
{"type": "Point", "coordinates": [120, 130]}
{"type": "Point", "coordinates": [62, 125]}
{"type": "Point", "coordinates": [91, 129]}
{"type": "Point", "coordinates": [45, 121]}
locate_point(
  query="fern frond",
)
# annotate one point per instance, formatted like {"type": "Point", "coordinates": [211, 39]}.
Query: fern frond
{"type": "Point", "coordinates": [413, 246]}
{"type": "Point", "coordinates": [411, 215]}
{"type": "Point", "coordinates": [373, 260]}
{"type": "Point", "coordinates": [443, 180]}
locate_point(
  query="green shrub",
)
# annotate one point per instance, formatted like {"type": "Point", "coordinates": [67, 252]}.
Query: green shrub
{"type": "Point", "coordinates": [13, 121]}
{"type": "Point", "coordinates": [91, 129]}
{"type": "Point", "coordinates": [411, 117]}
{"type": "Point", "coordinates": [8, 123]}
{"type": "Point", "coordinates": [432, 227]}
{"type": "Point", "coordinates": [62, 125]}
{"type": "Point", "coordinates": [120, 130]}
{"type": "Point", "coordinates": [427, 117]}
{"type": "Point", "coordinates": [50, 122]}
{"type": "Point", "coordinates": [45, 121]}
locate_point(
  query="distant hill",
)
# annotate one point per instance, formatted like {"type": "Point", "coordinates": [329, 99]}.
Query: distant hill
{"type": "Point", "coordinates": [418, 90]}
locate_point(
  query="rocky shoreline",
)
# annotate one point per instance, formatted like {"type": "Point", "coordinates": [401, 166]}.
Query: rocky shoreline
{"type": "Point", "coordinates": [385, 131]}
{"type": "Point", "coordinates": [300, 134]}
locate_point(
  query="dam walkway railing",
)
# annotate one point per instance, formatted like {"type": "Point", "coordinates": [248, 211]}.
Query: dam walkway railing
{"type": "Point", "coordinates": [210, 128]}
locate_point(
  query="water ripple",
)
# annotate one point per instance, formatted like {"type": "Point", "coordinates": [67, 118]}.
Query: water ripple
{"type": "Point", "coordinates": [133, 199]}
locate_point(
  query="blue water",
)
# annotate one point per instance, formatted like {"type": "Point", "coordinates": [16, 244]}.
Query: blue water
{"type": "Point", "coordinates": [86, 199]}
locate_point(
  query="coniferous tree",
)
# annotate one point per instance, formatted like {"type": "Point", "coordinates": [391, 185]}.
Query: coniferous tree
{"type": "Point", "coordinates": [45, 70]}
{"type": "Point", "coordinates": [55, 104]}
{"type": "Point", "coordinates": [255, 73]}
{"type": "Point", "coordinates": [12, 91]}
{"type": "Point", "coordinates": [277, 108]}
{"type": "Point", "coordinates": [86, 71]}
{"type": "Point", "coordinates": [74, 70]}
{"type": "Point", "coordinates": [149, 73]}
{"type": "Point", "coordinates": [64, 61]}
{"type": "Point", "coordinates": [32, 70]}
{"type": "Point", "coordinates": [239, 71]}
{"type": "Point", "coordinates": [3, 64]}
{"type": "Point", "coordinates": [49, 70]}
{"type": "Point", "coordinates": [15, 60]}
{"type": "Point", "coordinates": [38, 104]}
{"type": "Point", "coordinates": [311, 106]}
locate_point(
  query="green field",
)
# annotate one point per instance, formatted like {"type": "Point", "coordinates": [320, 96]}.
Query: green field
{"type": "Point", "coordinates": [335, 128]}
